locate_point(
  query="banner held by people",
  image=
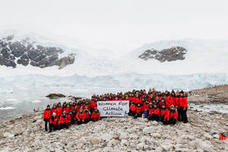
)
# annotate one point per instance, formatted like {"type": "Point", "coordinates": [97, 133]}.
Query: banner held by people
{"type": "Point", "coordinates": [113, 108]}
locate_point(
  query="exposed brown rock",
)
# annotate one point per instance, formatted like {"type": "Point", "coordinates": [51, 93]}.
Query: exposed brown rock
{"type": "Point", "coordinates": [55, 95]}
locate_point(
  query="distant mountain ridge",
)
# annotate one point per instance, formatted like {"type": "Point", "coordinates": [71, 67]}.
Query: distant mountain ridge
{"type": "Point", "coordinates": [25, 52]}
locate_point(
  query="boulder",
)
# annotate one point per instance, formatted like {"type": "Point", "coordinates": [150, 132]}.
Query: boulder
{"type": "Point", "coordinates": [8, 135]}
{"type": "Point", "coordinates": [55, 96]}
{"type": "Point", "coordinates": [148, 130]}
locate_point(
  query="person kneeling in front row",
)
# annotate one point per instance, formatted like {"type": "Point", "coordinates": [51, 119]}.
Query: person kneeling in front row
{"type": "Point", "coordinates": [154, 112]}
{"type": "Point", "coordinates": [80, 117]}
{"type": "Point", "coordinates": [95, 115]}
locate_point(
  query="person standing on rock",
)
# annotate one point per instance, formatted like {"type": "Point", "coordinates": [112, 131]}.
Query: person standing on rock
{"type": "Point", "coordinates": [47, 116]}
{"type": "Point", "coordinates": [80, 117]}
{"type": "Point", "coordinates": [183, 107]}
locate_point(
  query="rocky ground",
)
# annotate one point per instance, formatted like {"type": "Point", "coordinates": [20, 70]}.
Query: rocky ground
{"type": "Point", "coordinates": [117, 134]}
{"type": "Point", "coordinates": [210, 95]}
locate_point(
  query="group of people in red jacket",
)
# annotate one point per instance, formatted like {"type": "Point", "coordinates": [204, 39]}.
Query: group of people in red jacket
{"type": "Point", "coordinates": [167, 107]}
{"type": "Point", "coordinates": [63, 115]}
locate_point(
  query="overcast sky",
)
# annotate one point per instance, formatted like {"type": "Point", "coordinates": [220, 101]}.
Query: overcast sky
{"type": "Point", "coordinates": [118, 22]}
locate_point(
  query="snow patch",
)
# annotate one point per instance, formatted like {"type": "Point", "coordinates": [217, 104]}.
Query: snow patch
{"type": "Point", "coordinates": [7, 108]}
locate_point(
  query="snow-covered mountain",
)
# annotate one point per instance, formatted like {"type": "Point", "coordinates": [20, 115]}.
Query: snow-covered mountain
{"type": "Point", "coordinates": [201, 63]}
{"type": "Point", "coordinates": [15, 51]}
{"type": "Point", "coordinates": [192, 56]}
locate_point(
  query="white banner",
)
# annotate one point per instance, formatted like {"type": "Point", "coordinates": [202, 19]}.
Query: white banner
{"type": "Point", "coordinates": [113, 108]}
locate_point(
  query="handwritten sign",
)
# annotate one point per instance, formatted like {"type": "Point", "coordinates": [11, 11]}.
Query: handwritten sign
{"type": "Point", "coordinates": [113, 108]}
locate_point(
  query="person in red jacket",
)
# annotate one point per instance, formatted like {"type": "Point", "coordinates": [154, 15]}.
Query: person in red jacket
{"type": "Point", "coordinates": [59, 110]}
{"type": "Point", "coordinates": [138, 111]}
{"type": "Point", "coordinates": [173, 115]}
{"type": "Point", "coordinates": [95, 115]}
{"type": "Point", "coordinates": [132, 109]}
{"type": "Point", "coordinates": [68, 115]}
{"type": "Point", "coordinates": [47, 116]}
{"type": "Point", "coordinates": [77, 107]}
{"type": "Point", "coordinates": [87, 105]}
{"type": "Point", "coordinates": [87, 115]}
{"type": "Point", "coordinates": [154, 113]}
{"type": "Point", "coordinates": [54, 109]}
{"type": "Point", "coordinates": [93, 105]}
{"type": "Point", "coordinates": [54, 122]}
{"type": "Point", "coordinates": [67, 108]}
{"type": "Point", "coordinates": [164, 114]}
{"type": "Point", "coordinates": [63, 122]}
{"type": "Point", "coordinates": [183, 107]}
{"type": "Point", "coordinates": [80, 117]}
{"type": "Point", "coordinates": [146, 108]}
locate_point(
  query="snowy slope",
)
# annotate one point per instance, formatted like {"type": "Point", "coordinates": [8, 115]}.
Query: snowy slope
{"type": "Point", "coordinates": [203, 56]}
{"type": "Point", "coordinates": [98, 70]}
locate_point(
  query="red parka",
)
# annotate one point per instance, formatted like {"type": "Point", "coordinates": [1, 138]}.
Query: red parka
{"type": "Point", "coordinates": [154, 111]}
{"type": "Point", "coordinates": [184, 102]}
{"type": "Point", "coordinates": [133, 108]}
{"type": "Point", "coordinates": [138, 110]}
{"type": "Point", "coordinates": [173, 114]}
{"type": "Point", "coordinates": [54, 121]}
{"type": "Point", "coordinates": [146, 106]}
{"type": "Point", "coordinates": [63, 120]}
{"type": "Point", "coordinates": [47, 114]}
{"type": "Point", "coordinates": [80, 116]}
{"type": "Point", "coordinates": [59, 111]}
{"type": "Point", "coordinates": [96, 115]}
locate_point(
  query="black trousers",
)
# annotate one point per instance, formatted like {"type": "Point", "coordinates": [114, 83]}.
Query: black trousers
{"type": "Point", "coordinates": [80, 122]}
{"type": "Point", "coordinates": [179, 114]}
{"type": "Point", "coordinates": [172, 121]}
{"type": "Point", "coordinates": [94, 120]}
{"type": "Point", "coordinates": [87, 120]}
{"type": "Point", "coordinates": [153, 117]}
{"type": "Point", "coordinates": [46, 124]}
{"type": "Point", "coordinates": [131, 113]}
{"type": "Point", "coordinates": [183, 115]}
{"type": "Point", "coordinates": [165, 122]}
{"type": "Point", "coordinates": [64, 125]}
{"type": "Point", "coordinates": [53, 128]}
{"type": "Point", "coordinates": [136, 115]}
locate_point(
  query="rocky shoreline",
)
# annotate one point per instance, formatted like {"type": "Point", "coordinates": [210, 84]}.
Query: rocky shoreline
{"type": "Point", "coordinates": [117, 134]}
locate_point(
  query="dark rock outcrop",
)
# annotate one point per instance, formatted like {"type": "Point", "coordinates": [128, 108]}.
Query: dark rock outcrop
{"type": "Point", "coordinates": [169, 55]}
{"type": "Point", "coordinates": [55, 96]}
{"type": "Point", "coordinates": [25, 52]}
